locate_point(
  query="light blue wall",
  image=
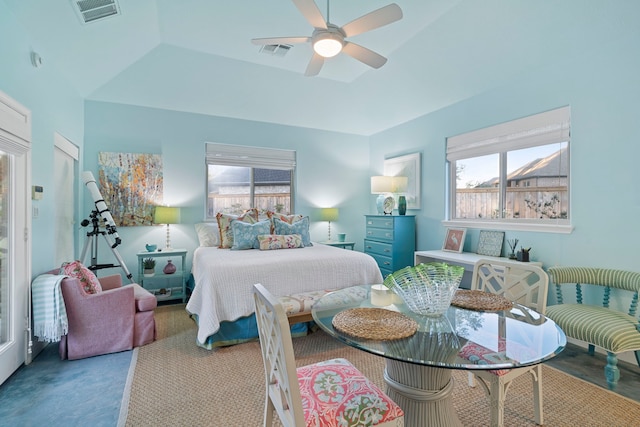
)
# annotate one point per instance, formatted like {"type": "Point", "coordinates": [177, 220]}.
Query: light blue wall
{"type": "Point", "coordinates": [332, 168]}
{"type": "Point", "coordinates": [55, 107]}
{"type": "Point", "coordinates": [602, 87]}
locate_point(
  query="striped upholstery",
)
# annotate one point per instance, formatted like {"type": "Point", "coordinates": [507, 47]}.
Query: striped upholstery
{"type": "Point", "coordinates": [599, 325]}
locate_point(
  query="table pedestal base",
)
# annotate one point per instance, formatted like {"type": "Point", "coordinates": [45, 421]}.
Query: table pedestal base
{"type": "Point", "coordinates": [424, 393]}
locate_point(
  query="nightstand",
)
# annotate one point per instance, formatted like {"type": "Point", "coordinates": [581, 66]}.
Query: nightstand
{"type": "Point", "coordinates": [165, 287]}
{"type": "Point", "coordinates": [343, 245]}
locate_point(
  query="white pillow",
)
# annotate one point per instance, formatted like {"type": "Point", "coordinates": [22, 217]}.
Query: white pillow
{"type": "Point", "coordinates": [208, 233]}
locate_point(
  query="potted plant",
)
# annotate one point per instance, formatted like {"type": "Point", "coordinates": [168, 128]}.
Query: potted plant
{"type": "Point", "coordinates": [149, 265]}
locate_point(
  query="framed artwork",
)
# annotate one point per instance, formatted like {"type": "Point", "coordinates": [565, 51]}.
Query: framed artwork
{"type": "Point", "coordinates": [409, 166]}
{"type": "Point", "coordinates": [454, 239]}
{"type": "Point", "coordinates": [132, 185]}
{"type": "Point", "coordinates": [490, 243]}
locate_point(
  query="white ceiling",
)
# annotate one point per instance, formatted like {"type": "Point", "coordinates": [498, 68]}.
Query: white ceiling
{"type": "Point", "coordinates": [197, 56]}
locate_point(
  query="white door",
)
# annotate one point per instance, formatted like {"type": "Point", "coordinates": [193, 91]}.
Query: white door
{"type": "Point", "coordinates": [15, 229]}
{"type": "Point", "coordinates": [65, 156]}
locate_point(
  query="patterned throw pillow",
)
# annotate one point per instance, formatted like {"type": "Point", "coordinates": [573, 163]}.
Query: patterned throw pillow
{"type": "Point", "coordinates": [299, 227]}
{"type": "Point", "coordinates": [245, 235]}
{"type": "Point", "coordinates": [278, 241]}
{"type": "Point", "coordinates": [224, 224]}
{"type": "Point", "coordinates": [289, 219]}
{"type": "Point", "coordinates": [208, 234]}
{"type": "Point", "coordinates": [88, 281]}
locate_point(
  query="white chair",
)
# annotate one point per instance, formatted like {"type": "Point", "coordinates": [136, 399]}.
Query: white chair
{"type": "Point", "coordinates": [322, 394]}
{"type": "Point", "coordinates": [525, 284]}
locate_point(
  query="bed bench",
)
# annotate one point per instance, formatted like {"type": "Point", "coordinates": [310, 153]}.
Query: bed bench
{"type": "Point", "coordinates": [599, 325]}
{"type": "Point", "coordinates": [298, 306]}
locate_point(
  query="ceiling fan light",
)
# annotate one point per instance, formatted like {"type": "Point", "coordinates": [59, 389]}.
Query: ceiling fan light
{"type": "Point", "coordinates": [328, 45]}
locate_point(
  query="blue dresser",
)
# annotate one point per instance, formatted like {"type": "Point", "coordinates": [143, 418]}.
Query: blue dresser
{"type": "Point", "coordinates": [391, 241]}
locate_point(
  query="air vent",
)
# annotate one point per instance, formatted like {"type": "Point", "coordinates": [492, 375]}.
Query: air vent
{"type": "Point", "coordinates": [275, 49]}
{"type": "Point", "coordinates": [94, 10]}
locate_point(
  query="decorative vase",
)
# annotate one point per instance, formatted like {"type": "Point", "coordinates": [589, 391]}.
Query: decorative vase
{"type": "Point", "coordinates": [402, 205]}
{"type": "Point", "coordinates": [170, 268]}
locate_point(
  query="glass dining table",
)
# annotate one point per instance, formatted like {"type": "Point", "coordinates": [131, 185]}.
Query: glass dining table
{"type": "Point", "coordinates": [418, 372]}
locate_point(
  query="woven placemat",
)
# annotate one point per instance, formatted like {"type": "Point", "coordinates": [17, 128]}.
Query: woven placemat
{"type": "Point", "coordinates": [374, 324]}
{"type": "Point", "coordinates": [480, 300]}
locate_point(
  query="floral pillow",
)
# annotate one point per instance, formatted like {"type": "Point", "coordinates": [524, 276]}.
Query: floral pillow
{"type": "Point", "coordinates": [208, 234]}
{"type": "Point", "coordinates": [278, 241]}
{"type": "Point", "coordinates": [224, 224]}
{"type": "Point", "coordinates": [245, 235]}
{"type": "Point", "coordinates": [88, 281]}
{"type": "Point", "coordinates": [299, 227]}
{"type": "Point", "coordinates": [289, 219]}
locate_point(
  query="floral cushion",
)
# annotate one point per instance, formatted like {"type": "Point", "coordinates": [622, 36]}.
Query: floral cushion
{"type": "Point", "coordinates": [481, 355]}
{"type": "Point", "coordinates": [208, 233]}
{"type": "Point", "coordinates": [245, 235]}
{"type": "Point", "coordinates": [335, 393]}
{"type": "Point", "coordinates": [299, 227]}
{"type": "Point", "coordinates": [224, 224]}
{"type": "Point", "coordinates": [278, 241]}
{"type": "Point", "coordinates": [88, 281]}
{"type": "Point", "coordinates": [289, 219]}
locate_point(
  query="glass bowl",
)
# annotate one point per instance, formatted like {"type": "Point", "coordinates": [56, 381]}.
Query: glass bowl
{"type": "Point", "coordinates": [428, 288]}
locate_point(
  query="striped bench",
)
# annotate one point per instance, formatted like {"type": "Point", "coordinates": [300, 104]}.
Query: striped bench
{"type": "Point", "coordinates": [599, 325]}
{"type": "Point", "coordinates": [298, 306]}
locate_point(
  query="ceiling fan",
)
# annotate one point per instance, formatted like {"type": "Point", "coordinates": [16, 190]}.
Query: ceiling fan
{"type": "Point", "coordinates": [328, 40]}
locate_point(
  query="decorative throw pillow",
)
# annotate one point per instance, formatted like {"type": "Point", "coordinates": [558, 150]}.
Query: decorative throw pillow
{"type": "Point", "coordinates": [245, 235]}
{"type": "Point", "coordinates": [88, 281]}
{"type": "Point", "coordinates": [278, 241]}
{"type": "Point", "coordinates": [299, 227]}
{"type": "Point", "coordinates": [289, 219]}
{"type": "Point", "coordinates": [224, 224]}
{"type": "Point", "coordinates": [208, 234]}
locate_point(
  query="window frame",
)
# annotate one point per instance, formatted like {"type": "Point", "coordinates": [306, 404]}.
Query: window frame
{"type": "Point", "coordinates": [545, 128]}
{"type": "Point", "coordinates": [253, 158]}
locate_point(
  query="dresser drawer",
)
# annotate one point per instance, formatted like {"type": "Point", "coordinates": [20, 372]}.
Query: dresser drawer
{"type": "Point", "coordinates": [372, 247]}
{"type": "Point", "coordinates": [380, 222]}
{"type": "Point", "coordinates": [384, 262]}
{"type": "Point", "coordinates": [379, 234]}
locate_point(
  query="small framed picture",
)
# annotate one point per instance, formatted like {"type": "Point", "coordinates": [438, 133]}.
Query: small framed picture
{"type": "Point", "coordinates": [454, 239]}
{"type": "Point", "coordinates": [490, 243]}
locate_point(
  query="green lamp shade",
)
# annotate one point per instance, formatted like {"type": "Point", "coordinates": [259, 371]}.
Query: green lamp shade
{"type": "Point", "coordinates": [166, 215]}
{"type": "Point", "coordinates": [329, 214]}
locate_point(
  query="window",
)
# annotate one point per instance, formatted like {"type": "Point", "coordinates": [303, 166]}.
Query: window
{"type": "Point", "coordinates": [241, 177]}
{"type": "Point", "coordinates": [515, 174]}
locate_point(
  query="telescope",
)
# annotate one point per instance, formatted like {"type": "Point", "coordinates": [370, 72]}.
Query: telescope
{"type": "Point", "coordinates": [101, 207]}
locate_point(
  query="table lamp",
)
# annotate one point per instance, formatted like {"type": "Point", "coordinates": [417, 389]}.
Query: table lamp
{"type": "Point", "coordinates": [381, 185]}
{"type": "Point", "coordinates": [329, 214]}
{"type": "Point", "coordinates": [167, 215]}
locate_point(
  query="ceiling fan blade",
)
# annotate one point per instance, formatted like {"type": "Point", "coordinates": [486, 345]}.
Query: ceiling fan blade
{"type": "Point", "coordinates": [310, 11]}
{"type": "Point", "coordinates": [280, 40]}
{"type": "Point", "coordinates": [376, 19]}
{"type": "Point", "coordinates": [314, 65]}
{"type": "Point", "coordinates": [364, 55]}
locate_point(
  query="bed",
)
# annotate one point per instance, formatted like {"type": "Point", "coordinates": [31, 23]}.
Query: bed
{"type": "Point", "coordinates": [222, 299]}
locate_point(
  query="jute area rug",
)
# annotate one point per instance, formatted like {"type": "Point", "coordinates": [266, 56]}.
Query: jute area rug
{"type": "Point", "coordinates": [176, 383]}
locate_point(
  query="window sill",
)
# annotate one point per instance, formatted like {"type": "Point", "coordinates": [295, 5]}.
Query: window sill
{"type": "Point", "coordinates": [511, 226]}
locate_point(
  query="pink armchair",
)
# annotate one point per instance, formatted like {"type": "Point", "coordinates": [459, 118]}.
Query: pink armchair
{"type": "Point", "coordinates": [118, 318]}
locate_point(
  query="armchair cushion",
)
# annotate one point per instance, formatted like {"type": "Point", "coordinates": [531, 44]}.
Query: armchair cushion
{"type": "Point", "coordinates": [88, 280]}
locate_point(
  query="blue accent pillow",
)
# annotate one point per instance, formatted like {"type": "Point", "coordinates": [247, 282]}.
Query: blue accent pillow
{"type": "Point", "coordinates": [245, 235]}
{"type": "Point", "coordinates": [299, 227]}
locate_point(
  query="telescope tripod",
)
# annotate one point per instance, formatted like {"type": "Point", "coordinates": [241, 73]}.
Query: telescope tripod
{"type": "Point", "coordinates": [92, 242]}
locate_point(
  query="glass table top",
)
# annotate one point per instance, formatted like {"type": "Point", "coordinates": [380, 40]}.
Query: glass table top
{"type": "Point", "coordinates": [459, 339]}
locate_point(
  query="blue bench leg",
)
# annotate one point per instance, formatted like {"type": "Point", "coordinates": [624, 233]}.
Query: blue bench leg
{"type": "Point", "coordinates": [637, 352]}
{"type": "Point", "coordinates": [592, 350]}
{"type": "Point", "coordinates": [611, 371]}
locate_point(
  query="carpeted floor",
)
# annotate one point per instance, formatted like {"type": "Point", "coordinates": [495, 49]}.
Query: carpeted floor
{"type": "Point", "coordinates": [178, 383]}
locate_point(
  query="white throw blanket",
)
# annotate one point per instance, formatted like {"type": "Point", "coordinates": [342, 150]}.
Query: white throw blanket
{"type": "Point", "coordinates": [49, 314]}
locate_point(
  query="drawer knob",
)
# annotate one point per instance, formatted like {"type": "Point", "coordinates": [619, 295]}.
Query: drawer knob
{"type": "Point", "coordinates": [387, 263]}
{"type": "Point", "coordinates": [387, 250]}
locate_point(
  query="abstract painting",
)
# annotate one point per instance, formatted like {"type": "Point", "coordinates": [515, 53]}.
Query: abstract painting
{"type": "Point", "coordinates": [132, 185]}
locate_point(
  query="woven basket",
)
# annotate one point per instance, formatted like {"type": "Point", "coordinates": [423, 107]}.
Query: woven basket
{"type": "Point", "coordinates": [426, 289]}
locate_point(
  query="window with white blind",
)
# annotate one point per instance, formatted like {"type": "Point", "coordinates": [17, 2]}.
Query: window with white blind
{"type": "Point", "coordinates": [514, 175]}
{"type": "Point", "coordinates": [242, 177]}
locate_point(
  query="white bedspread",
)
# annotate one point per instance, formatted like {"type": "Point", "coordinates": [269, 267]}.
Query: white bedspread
{"type": "Point", "coordinates": [224, 278]}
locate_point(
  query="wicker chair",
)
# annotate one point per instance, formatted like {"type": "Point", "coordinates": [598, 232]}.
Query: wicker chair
{"type": "Point", "coordinates": [525, 284]}
{"type": "Point", "coordinates": [299, 395]}
{"type": "Point", "coordinates": [602, 326]}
